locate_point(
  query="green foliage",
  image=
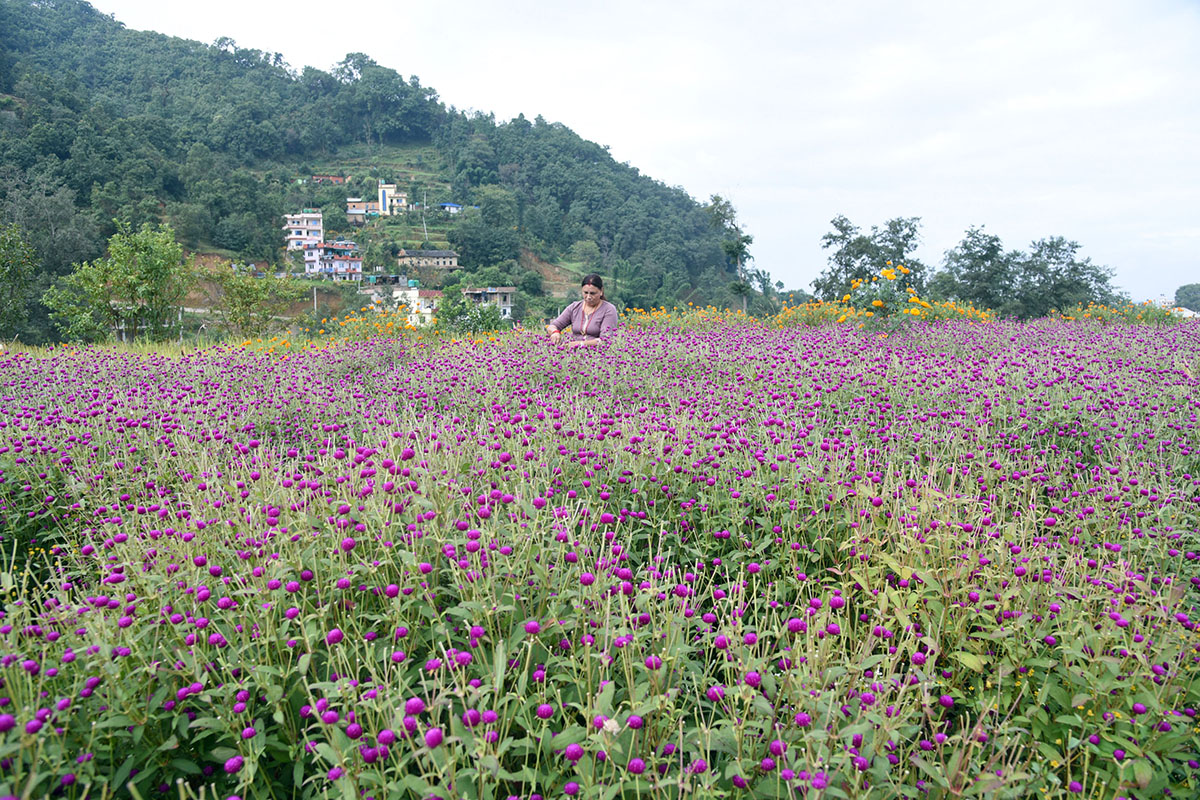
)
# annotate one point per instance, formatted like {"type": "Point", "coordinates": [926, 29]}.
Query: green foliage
{"type": "Point", "coordinates": [857, 255]}
{"type": "Point", "coordinates": [479, 244]}
{"type": "Point", "coordinates": [587, 253]}
{"type": "Point", "coordinates": [735, 243]}
{"type": "Point", "coordinates": [1023, 285]}
{"type": "Point", "coordinates": [457, 315]}
{"type": "Point", "coordinates": [1188, 296]}
{"type": "Point", "coordinates": [137, 289]}
{"type": "Point", "coordinates": [17, 270]}
{"type": "Point", "coordinates": [250, 306]}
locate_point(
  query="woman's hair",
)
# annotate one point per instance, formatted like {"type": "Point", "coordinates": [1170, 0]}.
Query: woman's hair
{"type": "Point", "coordinates": [593, 280]}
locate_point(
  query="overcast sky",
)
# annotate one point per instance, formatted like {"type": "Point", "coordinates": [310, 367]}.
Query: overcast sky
{"type": "Point", "coordinates": [1034, 118]}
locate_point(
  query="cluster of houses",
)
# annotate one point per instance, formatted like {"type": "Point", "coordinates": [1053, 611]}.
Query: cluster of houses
{"type": "Point", "coordinates": [341, 259]}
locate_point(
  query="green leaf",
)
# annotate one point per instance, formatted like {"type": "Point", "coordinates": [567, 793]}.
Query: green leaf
{"type": "Point", "coordinates": [183, 765]}
{"type": "Point", "coordinates": [971, 661]}
{"type": "Point", "coordinates": [122, 773]}
{"type": "Point", "coordinates": [1143, 773]}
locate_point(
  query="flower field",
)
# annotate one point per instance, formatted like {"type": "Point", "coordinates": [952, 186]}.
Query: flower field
{"type": "Point", "coordinates": [959, 560]}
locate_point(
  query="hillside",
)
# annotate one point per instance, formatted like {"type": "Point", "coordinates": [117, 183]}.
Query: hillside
{"type": "Point", "coordinates": [100, 123]}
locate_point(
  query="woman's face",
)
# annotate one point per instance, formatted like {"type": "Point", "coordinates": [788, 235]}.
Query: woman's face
{"type": "Point", "coordinates": [591, 295]}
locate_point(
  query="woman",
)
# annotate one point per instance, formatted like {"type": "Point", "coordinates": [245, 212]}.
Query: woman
{"type": "Point", "coordinates": [593, 320]}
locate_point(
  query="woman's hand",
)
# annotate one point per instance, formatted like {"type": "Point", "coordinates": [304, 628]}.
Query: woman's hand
{"type": "Point", "coordinates": [555, 337]}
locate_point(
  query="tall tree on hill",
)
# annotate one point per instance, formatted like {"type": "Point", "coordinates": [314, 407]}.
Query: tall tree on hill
{"type": "Point", "coordinates": [18, 266]}
{"type": "Point", "coordinates": [735, 243]}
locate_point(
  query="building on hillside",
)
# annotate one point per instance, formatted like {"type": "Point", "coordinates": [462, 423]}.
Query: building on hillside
{"type": "Point", "coordinates": [304, 228]}
{"type": "Point", "coordinates": [450, 208]}
{"type": "Point", "coordinates": [329, 179]}
{"type": "Point", "coordinates": [391, 200]}
{"type": "Point", "coordinates": [442, 259]}
{"type": "Point", "coordinates": [499, 296]}
{"type": "Point", "coordinates": [339, 261]}
{"type": "Point", "coordinates": [358, 211]}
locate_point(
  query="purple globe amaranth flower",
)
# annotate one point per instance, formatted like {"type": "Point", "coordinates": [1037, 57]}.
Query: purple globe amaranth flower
{"type": "Point", "coordinates": [335, 636]}
{"type": "Point", "coordinates": [433, 737]}
{"type": "Point", "coordinates": [234, 764]}
{"type": "Point", "coordinates": [545, 711]}
{"type": "Point", "coordinates": [636, 766]}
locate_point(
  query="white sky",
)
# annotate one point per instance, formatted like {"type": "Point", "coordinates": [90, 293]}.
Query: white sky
{"type": "Point", "coordinates": [1034, 118]}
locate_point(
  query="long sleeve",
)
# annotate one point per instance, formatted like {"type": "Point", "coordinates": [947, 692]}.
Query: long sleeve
{"type": "Point", "coordinates": [563, 320]}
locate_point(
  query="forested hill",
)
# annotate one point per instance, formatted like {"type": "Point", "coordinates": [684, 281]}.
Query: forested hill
{"type": "Point", "coordinates": [98, 123]}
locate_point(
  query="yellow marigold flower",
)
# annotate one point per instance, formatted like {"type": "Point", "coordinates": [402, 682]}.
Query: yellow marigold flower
{"type": "Point", "coordinates": [877, 303]}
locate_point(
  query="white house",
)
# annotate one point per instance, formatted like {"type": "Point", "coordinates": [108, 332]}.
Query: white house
{"type": "Point", "coordinates": [304, 228]}
{"type": "Point", "coordinates": [391, 200]}
{"type": "Point", "coordinates": [339, 261]}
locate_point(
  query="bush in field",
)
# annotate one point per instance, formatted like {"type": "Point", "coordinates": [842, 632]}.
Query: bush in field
{"type": "Point", "coordinates": [1146, 313]}
{"type": "Point", "coordinates": [708, 560]}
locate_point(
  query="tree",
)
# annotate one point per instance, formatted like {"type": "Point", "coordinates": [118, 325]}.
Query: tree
{"type": "Point", "coordinates": [1052, 276]}
{"type": "Point", "coordinates": [1188, 296]}
{"type": "Point", "coordinates": [860, 256]}
{"type": "Point", "coordinates": [1018, 284]}
{"type": "Point", "coordinates": [456, 314]}
{"type": "Point", "coordinates": [587, 253]}
{"type": "Point", "coordinates": [978, 271]}
{"type": "Point", "coordinates": [59, 233]}
{"type": "Point", "coordinates": [735, 243]}
{"type": "Point", "coordinates": [741, 289]}
{"type": "Point", "coordinates": [137, 289]}
{"type": "Point", "coordinates": [18, 266]}
{"type": "Point", "coordinates": [479, 244]}
{"type": "Point", "coordinates": [249, 306]}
